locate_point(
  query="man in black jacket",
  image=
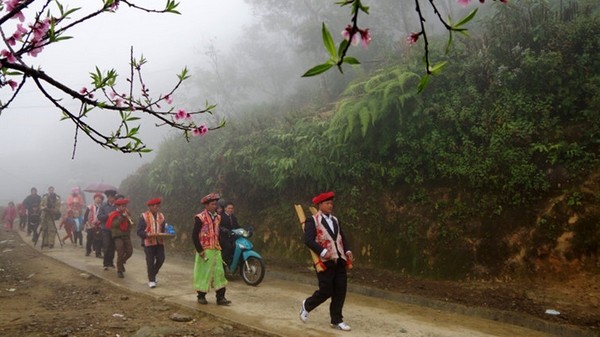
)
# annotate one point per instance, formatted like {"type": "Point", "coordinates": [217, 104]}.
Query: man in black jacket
{"type": "Point", "coordinates": [228, 223]}
{"type": "Point", "coordinates": [108, 244]}
{"type": "Point", "coordinates": [323, 235]}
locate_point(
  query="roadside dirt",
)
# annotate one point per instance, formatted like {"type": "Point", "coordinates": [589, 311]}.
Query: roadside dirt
{"type": "Point", "coordinates": [44, 297]}
{"type": "Point", "coordinates": [576, 296]}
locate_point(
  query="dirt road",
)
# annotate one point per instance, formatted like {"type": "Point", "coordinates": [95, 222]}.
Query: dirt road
{"type": "Point", "coordinates": [273, 306]}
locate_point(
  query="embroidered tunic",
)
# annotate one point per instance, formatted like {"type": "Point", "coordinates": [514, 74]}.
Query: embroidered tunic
{"type": "Point", "coordinates": [154, 225]}
{"type": "Point", "coordinates": [208, 271]}
{"type": "Point", "coordinates": [325, 240]}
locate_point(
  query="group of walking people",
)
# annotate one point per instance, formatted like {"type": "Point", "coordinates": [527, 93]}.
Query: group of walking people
{"type": "Point", "coordinates": [108, 225]}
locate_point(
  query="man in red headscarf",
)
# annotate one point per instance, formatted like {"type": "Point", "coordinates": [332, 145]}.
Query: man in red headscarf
{"type": "Point", "coordinates": [151, 225]}
{"type": "Point", "coordinates": [323, 234]}
{"type": "Point", "coordinates": [119, 222]}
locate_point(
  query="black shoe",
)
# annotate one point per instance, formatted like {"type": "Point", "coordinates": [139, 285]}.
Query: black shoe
{"type": "Point", "coordinates": [120, 274]}
{"type": "Point", "coordinates": [202, 300]}
{"type": "Point", "coordinates": [223, 301]}
{"type": "Point", "coordinates": [87, 254]}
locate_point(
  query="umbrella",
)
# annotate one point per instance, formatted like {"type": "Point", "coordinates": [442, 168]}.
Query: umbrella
{"type": "Point", "coordinates": [99, 187]}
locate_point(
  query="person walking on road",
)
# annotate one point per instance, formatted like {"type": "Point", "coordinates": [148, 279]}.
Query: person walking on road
{"type": "Point", "coordinates": [323, 235]}
{"type": "Point", "coordinates": [150, 225]}
{"type": "Point", "coordinates": [10, 214]}
{"type": "Point", "coordinates": [68, 223]}
{"type": "Point", "coordinates": [108, 245]}
{"type": "Point", "coordinates": [119, 222]}
{"type": "Point", "coordinates": [93, 227]}
{"type": "Point", "coordinates": [31, 201]}
{"type": "Point", "coordinates": [50, 207]}
{"type": "Point", "coordinates": [208, 266]}
{"type": "Point", "coordinates": [22, 212]}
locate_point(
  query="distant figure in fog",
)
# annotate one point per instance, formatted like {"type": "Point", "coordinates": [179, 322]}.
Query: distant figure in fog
{"type": "Point", "coordinates": [10, 214]}
{"type": "Point", "coordinates": [32, 200]}
{"type": "Point", "coordinates": [22, 212]}
{"type": "Point", "coordinates": [108, 245]}
{"type": "Point", "coordinates": [50, 207]}
{"type": "Point", "coordinates": [68, 222]}
{"type": "Point", "coordinates": [33, 222]}
{"type": "Point", "coordinates": [93, 227]}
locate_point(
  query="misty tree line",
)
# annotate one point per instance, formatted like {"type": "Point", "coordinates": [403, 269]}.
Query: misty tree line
{"type": "Point", "coordinates": [430, 183]}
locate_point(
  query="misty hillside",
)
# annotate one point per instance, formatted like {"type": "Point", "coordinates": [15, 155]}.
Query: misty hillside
{"type": "Point", "coordinates": [493, 170]}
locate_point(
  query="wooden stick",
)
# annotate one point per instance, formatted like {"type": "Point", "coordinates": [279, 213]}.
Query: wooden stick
{"type": "Point", "coordinates": [319, 265]}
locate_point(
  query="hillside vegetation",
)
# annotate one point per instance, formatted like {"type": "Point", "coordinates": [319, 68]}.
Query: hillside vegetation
{"type": "Point", "coordinates": [493, 170]}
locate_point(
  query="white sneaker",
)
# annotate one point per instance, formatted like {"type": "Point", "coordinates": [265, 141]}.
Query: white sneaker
{"type": "Point", "coordinates": [152, 284]}
{"type": "Point", "coordinates": [303, 313]}
{"type": "Point", "coordinates": [341, 326]}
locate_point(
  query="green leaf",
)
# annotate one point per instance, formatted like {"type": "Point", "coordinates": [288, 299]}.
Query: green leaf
{"type": "Point", "coordinates": [466, 19]}
{"type": "Point", "coordinates": [321, 68]}
{"type": "Point", "coordinates": [343, 45]}
{"type": "Point", "coordinates": [423, 83]}
{"type": "Point", "coordinates": [449, 42]}
{"type": "Point", "coordinates": [351, 60]}
{"type": "Point", "coordinates": [328, 41]}
{"type": "Point", "coordinates": [62, 38]}
{"type": "Point", "coordinates": [437, 68]}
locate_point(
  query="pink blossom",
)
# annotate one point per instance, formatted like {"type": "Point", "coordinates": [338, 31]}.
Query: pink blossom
{"type": "Point", "coordinates": [112, 94]}
{"type": "Point", "coordinates": [20, 16]}
{"type": "Point", "coordinates": [200, 131]}
{"type": "Point", "coordinates": [413, 38]}
{"type": "Point", "coordinates": [464, 3]}
{"type": "Point", "coordinates": [11, 5]}
{"type": "Point", "coordinates": [355, 37]}
{"type": "Point", "coordinates": [83, 91]}
{"type": "Point", "coordinates": [35, 51]}
{"type": "Point", "coordinates": [169, 99]}
{"type": "Point", "coordinates": [365, 37]}
{"type": "Point", "coordinates": [118, 102]}
{"type": "Point", "coordinates": [114, 6]}
{"type": "Point", "coordinates": [9, 56]}
{"type": "Point", "coordinates": [40, 29]}
{"type": "Point", "coordinates": [17, 35]}
{"type": "Point", "coordinates": [182, 114]}
{"type": "Point", "coordinates": [13, 84]}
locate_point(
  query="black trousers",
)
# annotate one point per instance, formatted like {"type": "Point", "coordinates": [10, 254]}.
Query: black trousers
{"type": "Point", "coordinates": [332, 284]}
{"type": "Point", "coordinates": [93, 243]}
{"type": "Point", "coordinates": [108, 246]}
{"type": "Point", "coordinates": [155, 257]}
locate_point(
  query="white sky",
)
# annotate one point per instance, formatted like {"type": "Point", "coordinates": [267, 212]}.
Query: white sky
{"type": "Point", "coordinates": [35, 147]}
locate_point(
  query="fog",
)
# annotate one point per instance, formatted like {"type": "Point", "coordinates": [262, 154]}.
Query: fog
{"type": "Point", "coordinates": [37, 147]}
{"type": "Point", "coordinates": [240, 54]}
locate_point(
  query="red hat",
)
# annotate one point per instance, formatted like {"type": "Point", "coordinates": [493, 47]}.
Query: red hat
{"type": "Point", "coordinates": [122, 201]}
{"type": "Point", "coordinates": [154, 201]}
{"type": "Point", "coordinates": [210, 197]}
{"type": "Point", "coordinates": [98, 194]}
{"type": "Point", "coordinates": [323, 197]}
